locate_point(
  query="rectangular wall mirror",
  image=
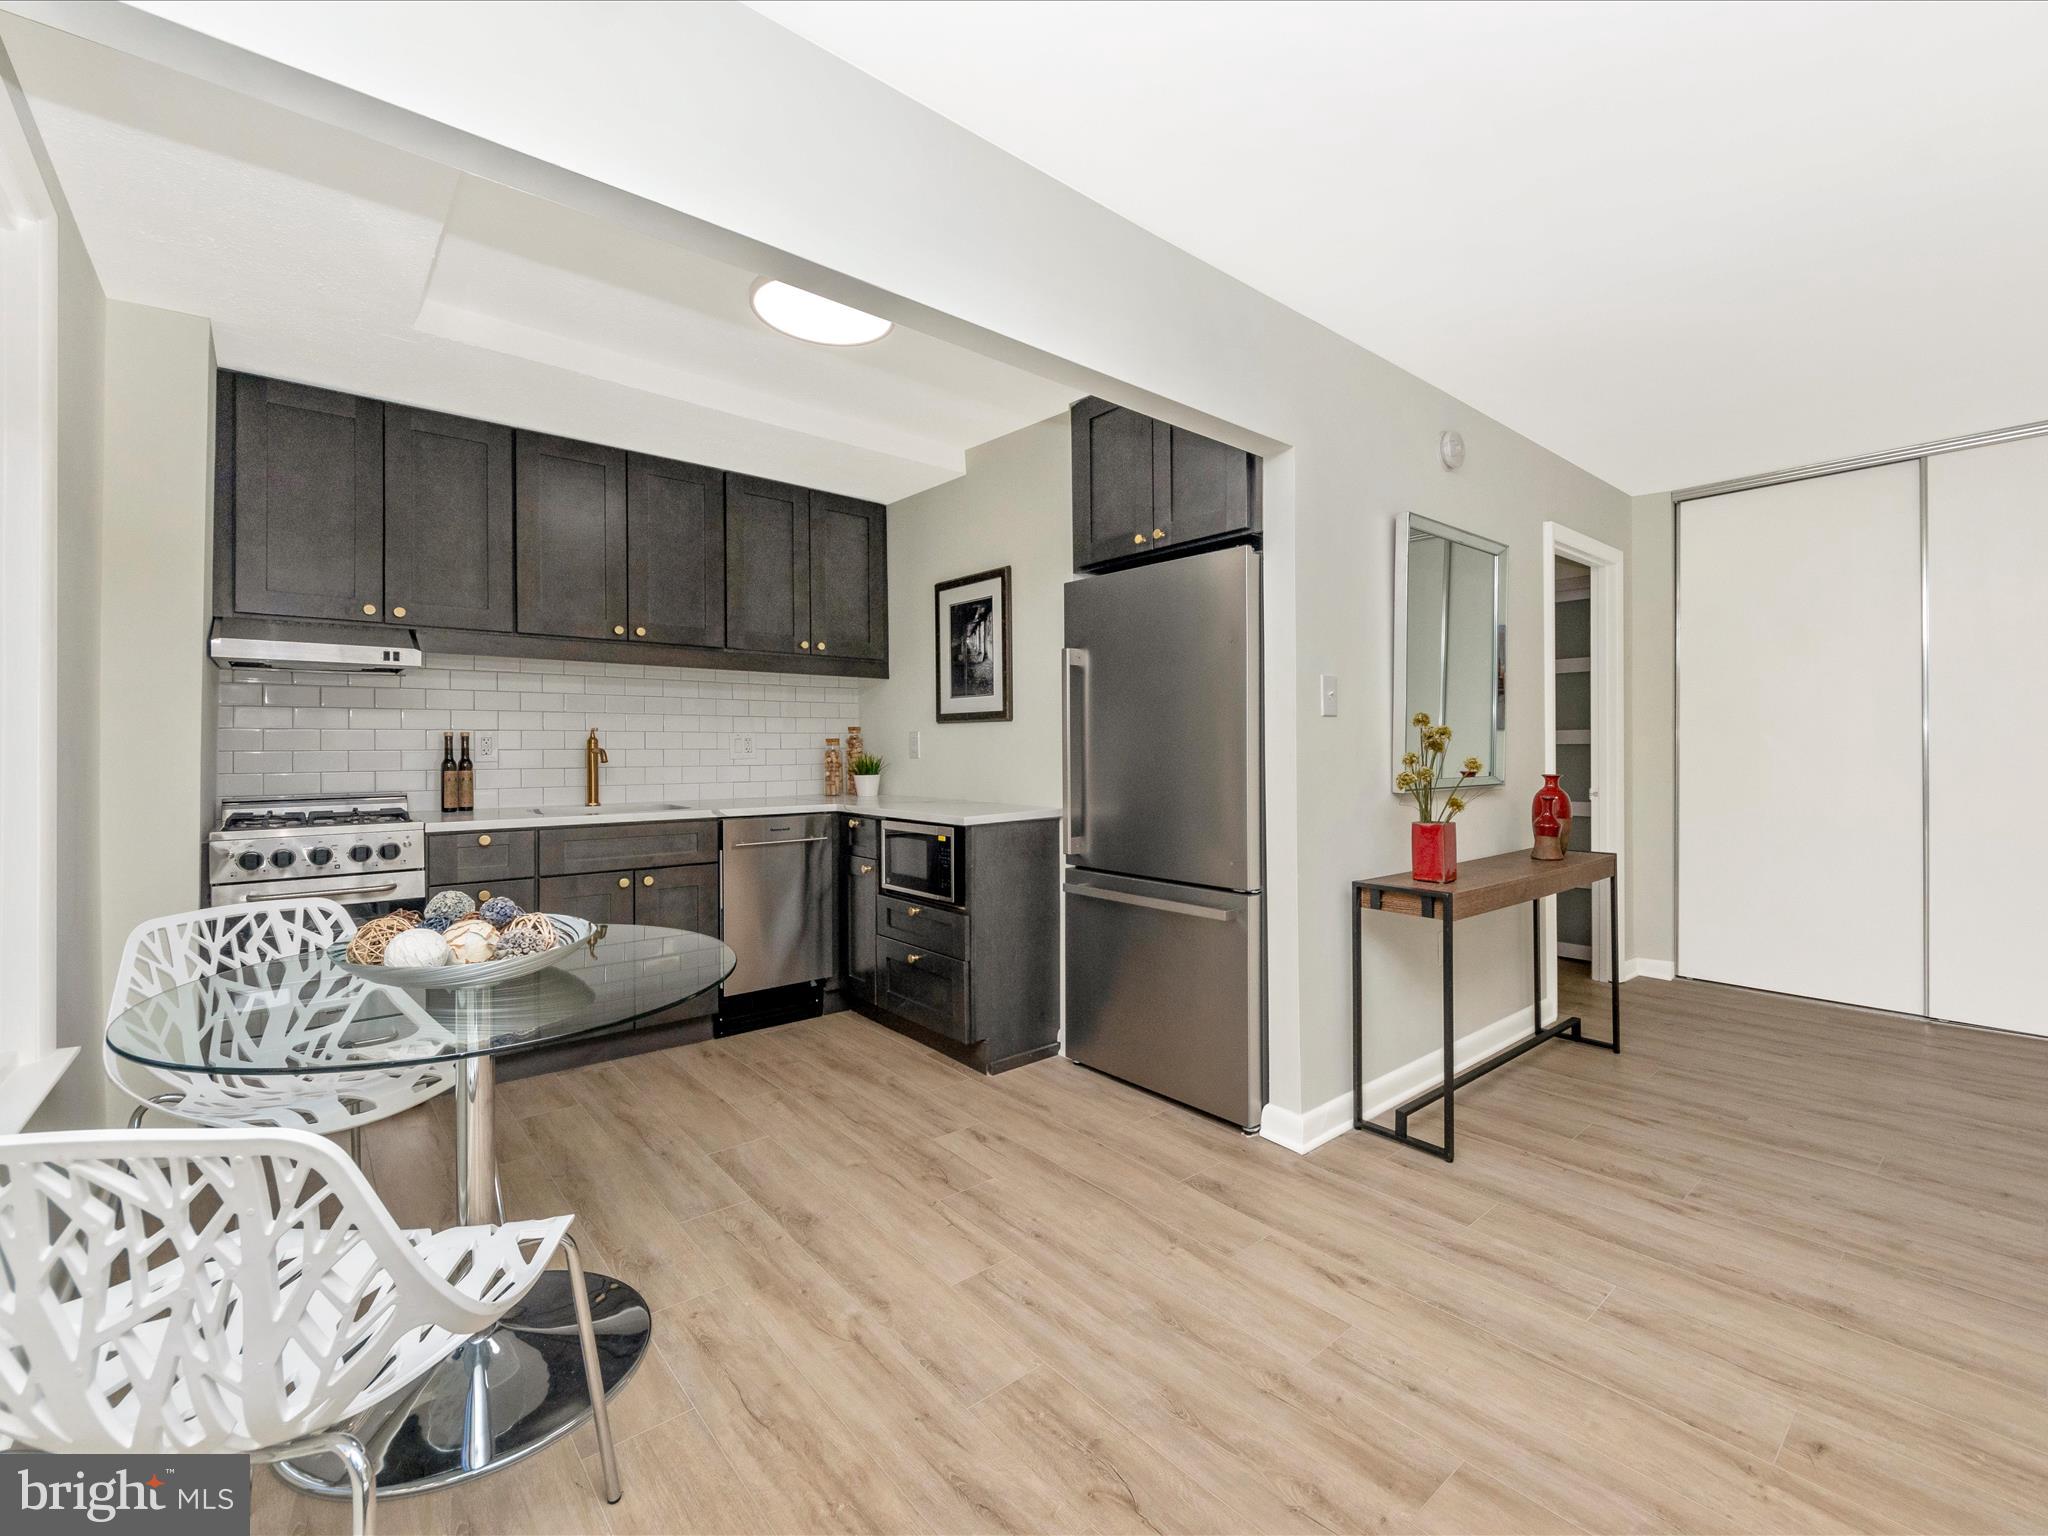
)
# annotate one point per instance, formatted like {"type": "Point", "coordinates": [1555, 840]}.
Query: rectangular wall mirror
{"type": "Point", "coordinates": [1450, 641]}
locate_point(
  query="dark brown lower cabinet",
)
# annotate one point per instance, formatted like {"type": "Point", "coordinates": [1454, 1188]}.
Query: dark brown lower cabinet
{"type": "Point", "coordinates": [600, 898]}
{"type": "Point", "coordinates": [863, 908]}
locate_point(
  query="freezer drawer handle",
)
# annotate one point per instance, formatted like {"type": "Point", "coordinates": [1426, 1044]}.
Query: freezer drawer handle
{"type": "Point", "coordinates": [1156, 903]}
{"type": "Point", "coordinates": [777, 842]}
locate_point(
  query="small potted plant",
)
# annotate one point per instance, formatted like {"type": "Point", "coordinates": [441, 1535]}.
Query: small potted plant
{"type": "Point", "coordinates": [1433, 840]}
{"type": "Point", "coordinates": [867, 776]}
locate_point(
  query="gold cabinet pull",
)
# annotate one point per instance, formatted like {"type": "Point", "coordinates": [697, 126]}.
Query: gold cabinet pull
{"type": "Point", "coordinates": [647, 879]}
{"type": "Point", "coordinates": [398, 613]}
{"type": "Point", "coordinates": [618, 629]}
{"type": "Point", "coordinates": [483, 895]}
{"type": "Point", "coordinates": [867, 869]}
{"type": "Point", "coordinates": [369, 607]}
{"type": "Point", "coordinates": [912, 911]}
{"type": "Point", "coordinates": [912, 959]}
{"type": "Point", "coordinates": [624, 882]}
{"type": "Point", "coordinates": [483, 840]}
{"type": "Point", "coordinates": [1158, 533]}
{"type": "Point", "coordinates": [805, 644]}
{"type": "Point", "coordinates": [640, 630]}
{"type": "Point", "coordinates": [1137, 538]}
{"type": "Point", "coordinates": [853, 821]}
{"type": "Point", "coordinates": [821, 645]}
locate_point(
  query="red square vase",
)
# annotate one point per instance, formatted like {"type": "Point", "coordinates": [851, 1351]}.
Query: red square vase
{"type": "Point", "coordinates": [1433, 851]}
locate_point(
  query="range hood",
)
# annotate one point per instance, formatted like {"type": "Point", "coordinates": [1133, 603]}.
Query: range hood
{"type": "Point", "coordinates": [282, 645]}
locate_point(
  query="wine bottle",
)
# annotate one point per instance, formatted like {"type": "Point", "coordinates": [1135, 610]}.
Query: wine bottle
{"type": "Point", "coordinates": [465, 779]}
{"type": "Point", "coordinates": [450, 800]}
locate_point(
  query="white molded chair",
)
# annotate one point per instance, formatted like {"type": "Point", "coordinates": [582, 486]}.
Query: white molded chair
{"type": "Point", "coordinates": [167, 952]}
{"type": "Point", "coordinates": [237, 1291]}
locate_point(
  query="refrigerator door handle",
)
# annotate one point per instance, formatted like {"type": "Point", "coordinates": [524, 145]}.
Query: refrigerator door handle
{"type": "Point", "coordinates": [1073, 745]}
{"type": "Point", "coordinates": [1154, 903]}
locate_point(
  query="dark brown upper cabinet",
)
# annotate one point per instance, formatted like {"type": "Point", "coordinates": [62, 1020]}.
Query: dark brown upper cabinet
{"type": "Point", "coordinates": [571, 499]}
{"type": "Point", "coordinates": [767, 566]}
{"type": "Point", "coordinates": [308, 480]}
{"type": "Point", "coordinates": [849, 578]}
{"type": "Point", "coordinates": [447, 521]}
{"type": "Point", "coordinates": [1142, 488]}
{"type": "Point", "coordinates": [675, 552]}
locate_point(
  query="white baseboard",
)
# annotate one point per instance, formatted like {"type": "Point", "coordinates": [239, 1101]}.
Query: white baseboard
{"type": "Point", "coordinates": [1655, 970]}
{"type": "Point", "coordinates": [1305, 1130]}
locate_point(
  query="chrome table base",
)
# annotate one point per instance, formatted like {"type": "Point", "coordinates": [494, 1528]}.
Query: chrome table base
{"type": "Point", "coordinates": [495, 1399]}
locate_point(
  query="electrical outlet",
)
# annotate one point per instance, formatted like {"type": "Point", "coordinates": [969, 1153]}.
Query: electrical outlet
{"type": "Point", "coordinates": [1329, 693]}
{"type": "Point", "coordinates": [916, 744]}
{"type": "Point", "coordinates": [743, 748]}
{"type": "Point", "coordinates": [486, 747]}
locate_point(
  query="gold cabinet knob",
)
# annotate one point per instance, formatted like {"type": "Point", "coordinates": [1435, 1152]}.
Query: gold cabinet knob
{"type": "Point", "coordinates": [1137, 538]}
{"type": "Point", "coordinates": [398, 613]}
{"type": "Point", "coordinates": [805, 644]}
{"type": "Point", "coordinates": [618, 629]}
{"type": "Point", "coordinates": [640, 630]}
{"type": "Point", "coordinates": [867, 869]}
{"type": "Point", "coordinates": [821, 645]}
{"type": "Point", "coordinates": [912, 959]}
{"type": "Point", "coordinates": [483, 840]}
{"type": "Point", "coordinates": [853, 821]}
{"type": "Point", "coordinates": [647, 879]}
{"type": "Point", "coordinates": [1158, 533]}
{"type": "Point", "coordinates": [483, 895]}
{"type": "Point", "coordinates": [624, 882]}
{"type": "Point", "coordinates": [912, 911]}
{"type": "Point", "coordinates": [369, 607]}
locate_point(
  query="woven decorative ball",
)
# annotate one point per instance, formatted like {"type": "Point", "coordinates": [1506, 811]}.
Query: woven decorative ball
{"type": "Point", "coordinates": [420, 946]}
{"type": "Point", "coordinates": [520, 941]}
{"type": "Point", "coordinates": [367, 947]}
{"type": "Point", "coordinates": [536, 925]}
{"type": "Point", "coordinates": [472, 940]}
{"type": "Point", "coordinates": [451, 905]}
{"type": "Point", "coordinates": [439, 922]}
{"type": "Point", "coordinates": [500, 910]}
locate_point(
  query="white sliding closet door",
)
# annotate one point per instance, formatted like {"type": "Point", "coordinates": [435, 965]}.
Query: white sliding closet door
{"type": "Point", "coordinates": [1987, 562]}
{"type": "Point", "coordinates": [1799, 760]}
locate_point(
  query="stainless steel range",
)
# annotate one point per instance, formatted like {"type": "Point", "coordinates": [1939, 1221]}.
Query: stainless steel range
{"type": "Point", "coordinates": [364, 851]}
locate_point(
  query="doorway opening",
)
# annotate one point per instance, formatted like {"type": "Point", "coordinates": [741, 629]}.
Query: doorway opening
{"type": "Point", "coordinates": [1583, 733]}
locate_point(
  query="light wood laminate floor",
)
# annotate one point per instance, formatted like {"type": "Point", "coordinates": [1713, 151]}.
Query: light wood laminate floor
{"type": "Point", "coordinates": [1778, 1267]}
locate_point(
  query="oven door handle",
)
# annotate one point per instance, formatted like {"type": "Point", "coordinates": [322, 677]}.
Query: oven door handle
{"type": "Point", "coordinates": [359, 893]}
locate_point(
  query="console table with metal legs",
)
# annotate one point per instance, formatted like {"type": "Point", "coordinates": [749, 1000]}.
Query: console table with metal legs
{"type": "Point", "coordinates": [1482, 886]}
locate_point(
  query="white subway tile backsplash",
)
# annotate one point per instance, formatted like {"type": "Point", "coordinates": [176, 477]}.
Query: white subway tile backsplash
{"type": "Point", "coordinates": [669, 731]}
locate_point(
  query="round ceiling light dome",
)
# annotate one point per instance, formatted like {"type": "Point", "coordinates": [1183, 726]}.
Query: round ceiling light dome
{"type": "Point", "coordinates": [812, 317]}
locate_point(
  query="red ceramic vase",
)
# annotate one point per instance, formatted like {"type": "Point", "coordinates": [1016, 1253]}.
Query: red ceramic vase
{"type": "Point", "coordinates": [1433, 851]}
{"type": "Point", "coordinates": [1550, 818]}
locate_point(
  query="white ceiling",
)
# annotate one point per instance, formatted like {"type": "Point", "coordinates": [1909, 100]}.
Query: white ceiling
{"type": "Point", "coordinates": [1671, 242]}
{"type": "Point", "coordinates": [324, 257]}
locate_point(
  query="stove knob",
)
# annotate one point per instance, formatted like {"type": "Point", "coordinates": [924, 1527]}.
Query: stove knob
{"type": "Point", "coordinates": [250, 861]}
{"type": "Point", "coordinates": [284, 858]}
{"type": "Point", "coordinates": [389, 851]}
{"type": "Point", "coordinates": [360, 854]}
{"type": "Point", "coordinates": [321, 856]}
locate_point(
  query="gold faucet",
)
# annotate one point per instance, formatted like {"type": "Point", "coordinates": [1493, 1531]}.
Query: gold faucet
{"type": "Point", "coordinates": [593, 754]}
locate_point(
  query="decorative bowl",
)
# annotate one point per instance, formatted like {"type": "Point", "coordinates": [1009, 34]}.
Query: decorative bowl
{"type": "Point", "coordinates": [569, 932]}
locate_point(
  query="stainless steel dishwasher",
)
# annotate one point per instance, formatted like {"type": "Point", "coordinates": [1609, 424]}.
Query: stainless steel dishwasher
{"type": "Point", "coordinates": [776, 884]}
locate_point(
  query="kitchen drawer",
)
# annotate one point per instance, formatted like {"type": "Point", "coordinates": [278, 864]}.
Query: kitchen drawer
{"type": "Point", "coordinates": [478, 858]}
{"type": "Point", "coordinates": [924, 987]}
{"type": "Point", "coordinates": [861, 837]}
{"type": "Point", "coordinates": [605, 898]}
{"type": "Point", "coordinates": [526, 892]}
{"type": "Point", "coordinates": [627, 845]}
{"type": "Point", "coordinates": [923, 927]}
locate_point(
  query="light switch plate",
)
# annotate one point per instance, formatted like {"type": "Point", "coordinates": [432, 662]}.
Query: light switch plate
{"type": "Point", "coordinates": [1329, 693]}
{"type": "Point", "coordinates": [743, 748]}
{"type": "Point", "coordinates": [486, 747]}
{"type": "Point", "coordinates": [916, 744]}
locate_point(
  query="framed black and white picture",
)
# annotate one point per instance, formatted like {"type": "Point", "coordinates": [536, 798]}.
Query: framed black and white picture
{"type": "Point", "coordinates": [973, 617]}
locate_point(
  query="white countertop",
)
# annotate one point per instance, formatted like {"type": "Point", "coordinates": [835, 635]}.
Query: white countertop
{"type": "Point", "coordinates": [952, 813]}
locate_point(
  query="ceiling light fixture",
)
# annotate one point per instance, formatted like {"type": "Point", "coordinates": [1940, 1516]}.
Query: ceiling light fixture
{"type": "Point", "coordinates": [812, 317]}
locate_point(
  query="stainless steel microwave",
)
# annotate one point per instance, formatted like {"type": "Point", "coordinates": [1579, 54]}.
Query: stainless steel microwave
{"type": "Point", "coordinates": [921, 860]}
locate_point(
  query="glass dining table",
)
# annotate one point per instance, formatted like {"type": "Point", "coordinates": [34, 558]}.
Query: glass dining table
{"type": "Point", "coordinates": [312, 1017]}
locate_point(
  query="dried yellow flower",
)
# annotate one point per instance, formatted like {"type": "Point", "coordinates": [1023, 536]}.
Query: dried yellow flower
{"type": "Point", "coordinates": [1455, 804]}
{"type": "Point", "coordinates": [1405, 782]}
{"type": "Point", "coordinates": [1421, 720]}
{"type": "Point", "coordinates": [1473, 765]}
{"type": "Point", "coordinates": [1409, 759]}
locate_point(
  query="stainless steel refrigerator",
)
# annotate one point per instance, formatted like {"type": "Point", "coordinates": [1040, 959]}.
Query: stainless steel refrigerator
{"type": "Point", "coordinates": [1164, 830]}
